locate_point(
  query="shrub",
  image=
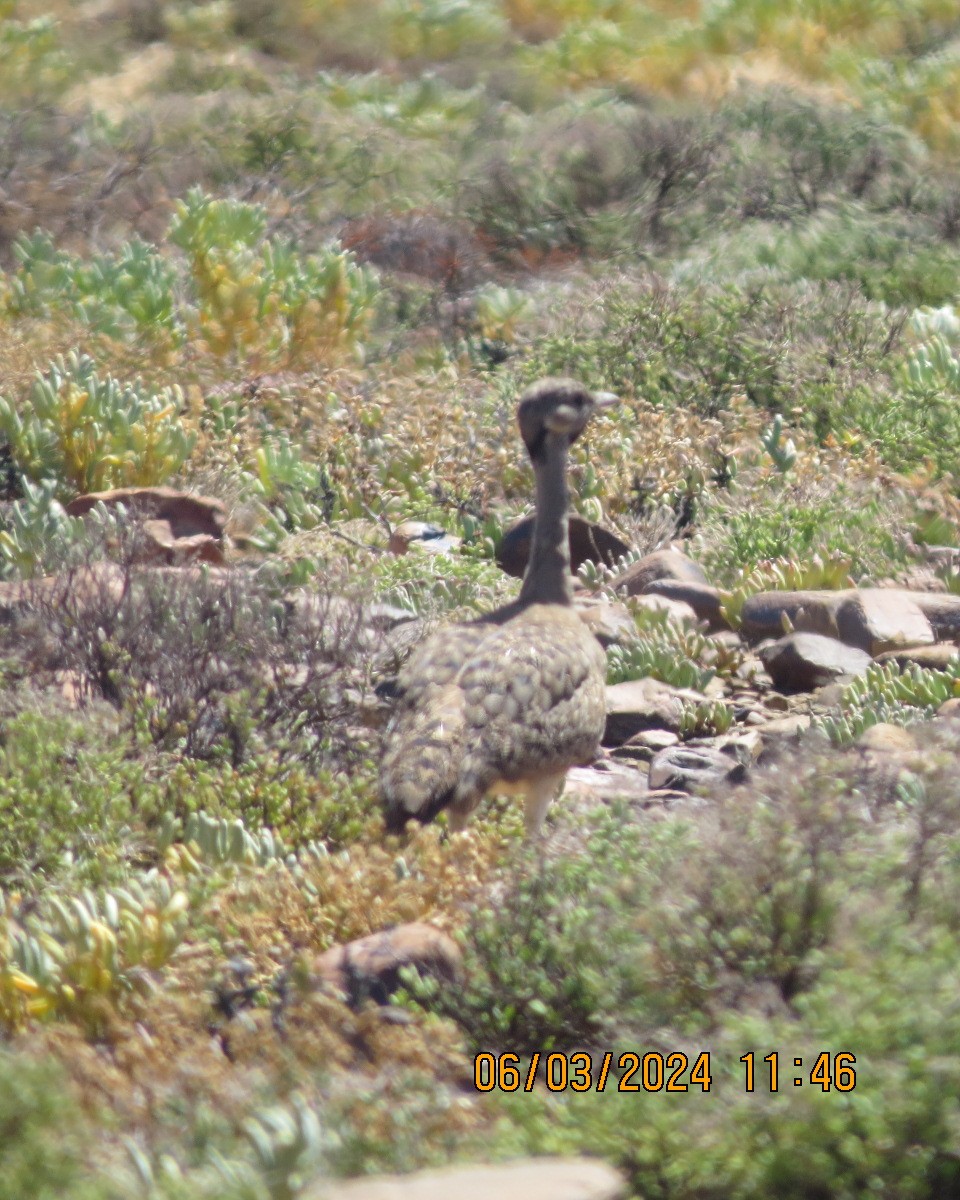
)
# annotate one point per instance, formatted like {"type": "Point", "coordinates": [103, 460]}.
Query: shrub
{"type": "Point", "coordinates": [259, 296]}
{"type": "Point", "coordinates": [87, 434]}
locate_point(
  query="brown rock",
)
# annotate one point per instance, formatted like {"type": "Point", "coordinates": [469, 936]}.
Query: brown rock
{"type": "Point", "coordinates": [661, 564]}
{"type": "Point", "coordinates": [370, 966]}
{"type": "Point", "coordinates": [801, 662]}
{"type": "Point", "coordinates": [950, 709]}
{"type": "Point", "coordinates": [178, 527]}
{"type": "Point", "coordinates": [937, 656]}
{"type": "Point", "coordinates": [640, 704]}
{"type": "Point", "coordinates": [942, 610]}
{"type": "Point", "coordinates": [705, 600]}
{"type": "Point", "coordinates": [763, 613]}
{"type": "Point", "coordinates": [879, 619]}
{"type": "Point", "coordinates": [589, 542]}
{"type": "Point", "coordinates": [527, 1179]}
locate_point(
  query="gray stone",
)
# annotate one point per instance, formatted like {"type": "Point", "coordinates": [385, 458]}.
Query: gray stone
{"type": "Point", "coordinates": [801, 662]}
{"type": "Point", "coordinates": [879, 619]}
{"type": "Point", "coordinates": [688, 768]}
{"type": "Point", "coordinates": [607, 780]}
{"type": "Point", "coordinates": [525, 1179]}
{"type": "Point", "coordinates": [640, 704]}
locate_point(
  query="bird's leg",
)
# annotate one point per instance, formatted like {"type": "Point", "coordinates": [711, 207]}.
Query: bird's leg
{"type": "Point", "coordinates": [457, 820]}
{"type": "Point", "coordinates": [537, 800]}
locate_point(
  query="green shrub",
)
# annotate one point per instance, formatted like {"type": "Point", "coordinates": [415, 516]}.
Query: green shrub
{"type": "Point", "coordinates": [44, 1138]}
{"type": "Point", "coordinates": [259, 296]}
{"type": "Point", "coordinates": [87, 434]}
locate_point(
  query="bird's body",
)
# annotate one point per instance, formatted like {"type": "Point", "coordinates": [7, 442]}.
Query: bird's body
{"type": "Point", "coordinates": [510, 701]}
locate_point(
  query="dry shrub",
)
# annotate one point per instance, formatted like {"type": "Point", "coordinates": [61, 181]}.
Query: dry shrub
{"type": "Point", "coordinates": [204, 660]}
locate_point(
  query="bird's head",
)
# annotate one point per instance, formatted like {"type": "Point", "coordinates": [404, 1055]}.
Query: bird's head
{"type": "Point", "coordinates": [557, 406]}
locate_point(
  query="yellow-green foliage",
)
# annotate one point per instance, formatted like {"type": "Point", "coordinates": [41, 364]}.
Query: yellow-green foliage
{"type": "Point", "coordinates": [260, 297]}
{"type": "Point", "coordinates": [885, 693]}
{"type": "Point", "coordinates": [79, 955]}
{"type": "Point", "coordinates": [87, 434]}
{"type": "Point", "coordinates": [785, 575]}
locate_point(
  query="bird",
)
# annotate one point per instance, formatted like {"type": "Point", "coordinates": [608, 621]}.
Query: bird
{"type": "Point", "coordinates": [508, 702]}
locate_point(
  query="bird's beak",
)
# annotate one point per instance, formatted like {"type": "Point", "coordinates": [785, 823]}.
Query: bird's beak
{"type": "Point", "coordinates": [604, 400]}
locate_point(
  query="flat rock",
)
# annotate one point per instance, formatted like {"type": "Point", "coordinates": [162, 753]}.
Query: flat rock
{"type": "Point", "coordinates": [801, 662]}
{"type": "Point", "coordinates": [937, 656]}
{"type": "Point", "coordinates": [526, 1179]}
{"type": "Point", "coordinates": [610, 780]}
{"type": "Point", "coordinates": [643, 746]}
{"type": "Point", "coordinates": [677, 610]}
{"type": "Point", "coordinates": [942, 610]}
{"type": "Point", "coordinates": [661, 564]}
{"type": "Point", "coordinates": [370, 966]}
{"type": "Point", "coordinates": [879, 619]}
{"type": "Point", "coordinates": [178, 527]}
{"type": "Point", "coordinates": [781, 727]}
{"type": "Point", "coordinates": [640, 704]}
{"type": "Point", "coordinates": [705, 600]}
{"type": "Point", "coordinates": [763, 613]}
{"type": "Point", "coordinates": [610, 624]}
{"type": "Point", "coordinates": [589, 542]}
{"type": "Point", "coordinates": [689, 768]}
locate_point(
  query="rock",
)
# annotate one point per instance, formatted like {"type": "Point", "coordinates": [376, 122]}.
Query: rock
{"type": "Point", "coordinates": [677, 610]}
{"type": "Point", "coordinates": [640, 704]}
{"type": "Point", "coordinates": [525, 1179]}
{"type": "Point", "coordinates": [784, 726]}
{"type": "Point", "coordinates": [370, 966]}
{"type": "Point", "coordinates": [609, 623]}
{"type": "Point", "coordinates": [690, 767]}
{"type": "Point", "coordinates": [643, 746]}
{"type": "Point", "coordinates": [885, 751]}
{"type": "Point", "coordinates": [178, 527]}
{"type": "Point", "coordinates": [705, 600]}
{"type": "Point", "coordinates": [801, 662]}
{"type": "Point", "coordinates": [942, 610]}
{"type": "Point", "coordinates": [949, 710]}
{"type": "Point", "coordinates": [608, 780]}
{"type": "Point", "coordinates": [878, 619]}
{"type": "Point", "coordinates": [937, 656]}
{"type": "Point", "coordinates": [422, 536]}
{"type": "Point", "coordinates": [589, 542]}
{"type": "Point", "coordinates": [763, 613]}
{"type": "Point", "coordinates": [661, 564]}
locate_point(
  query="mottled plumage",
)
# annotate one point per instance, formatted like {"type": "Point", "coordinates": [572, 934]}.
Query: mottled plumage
{"type": "Point", "coordinates": [510, 701]}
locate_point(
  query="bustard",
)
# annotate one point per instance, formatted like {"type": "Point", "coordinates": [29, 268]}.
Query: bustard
{"type": "Point", "coordinates": [510, 701]}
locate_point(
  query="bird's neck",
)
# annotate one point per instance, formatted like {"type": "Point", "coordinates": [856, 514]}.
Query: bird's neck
{"type": "Point", "coordinates": [547, 578]}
